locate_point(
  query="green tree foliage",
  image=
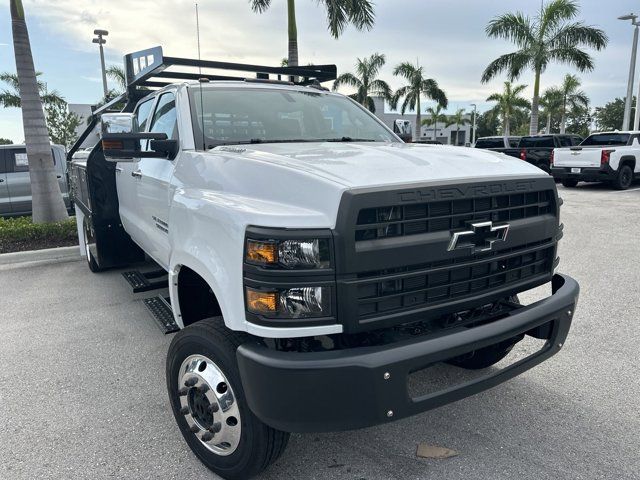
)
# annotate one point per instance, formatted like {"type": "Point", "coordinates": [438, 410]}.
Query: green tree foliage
{"type": "Point", "coordinates": [417, 86]}
{"type": "Point", "coordinates": [459, 118]}
{"type": "Point", "coordinates": [10, 97]}
{"type": "Point", "coordinates": [5, 141]}
{"type": "Point", "coordinates": [611, 115]}
{"type": "Point", "coordinates": [62, 124]}
{"type": "Point", "coordinates": [488, 124]}
{"type": "Point", "coordinates": [508, 103]}
{"type": "Point", "coordinates": [434, 116]}
{"type": "Point", "coordinates": [573, 99]}
{"type": "Point", "coordinates": [340, 14]}
{"type": "Point", "coordinates": [366, 82]}
{"type": "Point", "coordinates": [552, 36]}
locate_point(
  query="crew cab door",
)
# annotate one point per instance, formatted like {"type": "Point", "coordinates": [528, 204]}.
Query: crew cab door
{"type": "Point", "coordinates": [153, 184]}
{"type": "Point", "coordinates": [5, 200]}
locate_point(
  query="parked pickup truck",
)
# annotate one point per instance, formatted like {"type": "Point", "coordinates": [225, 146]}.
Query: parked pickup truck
{"type": "Point", "coordinates": [15, 181]}
{"type": "Point", "coordinates": [497, 142]}
{"type": "Point", "coordinates": [536, 149]}
{"type": "Point", "coordinates": [609, 157]}
{"type": "Point", "coordinates": [313, 260]}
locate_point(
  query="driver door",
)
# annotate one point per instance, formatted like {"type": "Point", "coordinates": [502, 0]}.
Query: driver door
{"type": "Point", "coordinates": [154, 191]}
{"type": "Point", "coordinates": [127, 180]}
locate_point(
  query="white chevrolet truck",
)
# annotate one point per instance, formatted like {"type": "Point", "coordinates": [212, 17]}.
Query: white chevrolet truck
{"type": "Point", "coordinates": [314, 262]}
{"type": "Point", "coordinates": [609, 157]}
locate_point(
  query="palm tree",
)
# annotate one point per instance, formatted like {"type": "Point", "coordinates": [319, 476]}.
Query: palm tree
{"type": "Point", "coordinates": [458, 119]}
{"type": "Point", "coordinates": [435, 116]}
{"type": "Point", "coordinates": [551, 102]}
{"type": "Point", "coordinates": [551, 36]}
{"type": "Point", "coordinates": [11, 98]}
{"type": "Point", "coordinates": [116, 73]}
{"type": "Point", "coordinates": [417, 87]}
{"type": "Point", "coordinates": [365, 81]}
{"type": "Point", "coordinates": [340, 13]}
{"type": "Point", "coordinates": [572, 97]}
{"type": "Point", "coordinates": [509, 101]}
{"type": "Point", "coordinates": [48, 205]}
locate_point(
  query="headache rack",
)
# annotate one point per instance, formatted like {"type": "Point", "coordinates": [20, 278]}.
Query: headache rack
{"type": "Point", "coordinates": [149, 69]}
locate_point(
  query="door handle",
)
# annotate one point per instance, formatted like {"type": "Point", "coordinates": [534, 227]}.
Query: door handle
{"type": "Point", "coordinates": [1, 180]}
{"type": "Point", "coordinates": [136, 173]}
{"type": "Point", "coordinates": [119, 169]}
{"type": "Point", "coordinates": [58, 176]}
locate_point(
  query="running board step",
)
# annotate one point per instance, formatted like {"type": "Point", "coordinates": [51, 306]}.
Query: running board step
{"type": "Point", "coordinates": [160, 309]}
{"type": "Point", "coordinates": [146, 281]}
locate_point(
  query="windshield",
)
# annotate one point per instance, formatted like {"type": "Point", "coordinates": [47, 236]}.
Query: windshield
{"type": "Point", "coordinates": [243, 115]}
{"type": "Point", "coordinates": [606, 139]}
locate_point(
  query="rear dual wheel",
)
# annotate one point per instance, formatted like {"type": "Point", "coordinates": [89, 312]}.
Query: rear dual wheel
{"type": "Point", "coordinates": [208, 403]}
{"type": "Point", "coordinates": [89, 240]}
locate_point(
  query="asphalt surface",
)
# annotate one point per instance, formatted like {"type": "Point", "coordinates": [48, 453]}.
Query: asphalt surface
{"type": "Point", "coordinates": [82, 388]}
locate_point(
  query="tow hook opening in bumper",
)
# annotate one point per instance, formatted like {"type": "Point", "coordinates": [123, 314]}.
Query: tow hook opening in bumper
{"type": "Point", "coordinates": [359, 387]}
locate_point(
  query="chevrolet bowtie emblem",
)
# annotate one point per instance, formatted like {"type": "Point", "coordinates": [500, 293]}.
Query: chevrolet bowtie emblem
{"type": "Point", "coordinates": [480, 237]}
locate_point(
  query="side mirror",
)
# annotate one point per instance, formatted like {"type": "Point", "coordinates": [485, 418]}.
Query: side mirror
{"type": "Point", "coordinates": [121, 140]}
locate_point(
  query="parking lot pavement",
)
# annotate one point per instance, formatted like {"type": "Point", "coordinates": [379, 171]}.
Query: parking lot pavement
{"type": "Point", "coordinates": [82, 392]}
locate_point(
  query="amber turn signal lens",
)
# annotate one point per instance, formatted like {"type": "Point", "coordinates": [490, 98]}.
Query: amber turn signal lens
{"type": "Point", "coordinates": [261, 302]}
{"type": "Point", "coordinates": [112, 145]}
{"type": "Point", "coordinates": [261, 252]}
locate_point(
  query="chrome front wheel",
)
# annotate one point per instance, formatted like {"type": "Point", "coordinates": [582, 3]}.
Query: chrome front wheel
{"type": "Point", "coordinates": [209, 405]}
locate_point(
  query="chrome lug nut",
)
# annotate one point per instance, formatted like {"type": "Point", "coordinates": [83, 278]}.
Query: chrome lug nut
{"type": "Point", "coordinates": [208, 436]}
{"type": "Point", "coordinates": [390, 413]}
{"type": "Point", "coordinates": [191, 382]}
{"type": "Point", "coordinates": [215, 428]}
{"type": "Point", "coordinates": [213, 408]}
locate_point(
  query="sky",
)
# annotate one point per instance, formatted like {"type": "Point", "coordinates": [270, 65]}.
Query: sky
{"type": "Point", "coordinates": [445, 37]}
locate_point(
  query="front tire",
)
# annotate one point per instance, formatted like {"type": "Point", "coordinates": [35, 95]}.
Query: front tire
{"type": "Point", "coordinates": [570, 182]}
{"type": "Point", "coordinates": [624, 179]}
{"type": "Point", "coordinates": [209, 405]}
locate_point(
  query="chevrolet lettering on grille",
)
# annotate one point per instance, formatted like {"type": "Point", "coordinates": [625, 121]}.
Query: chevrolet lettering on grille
{"type": "Point", "coordinates": [480, 237]}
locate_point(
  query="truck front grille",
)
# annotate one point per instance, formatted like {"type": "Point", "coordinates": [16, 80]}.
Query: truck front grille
{"type": "Point", "coordinates": [417, 286]}
{"type": "Point", "coordinates": [394, 264]}
{"type": "Point", "coordinates": [429, 217]}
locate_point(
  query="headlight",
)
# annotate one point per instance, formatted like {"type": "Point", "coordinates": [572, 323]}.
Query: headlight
{"type": "Point", "coordinates": [307, 253]}
{"type": "Point", "coordinates": [290, 303]}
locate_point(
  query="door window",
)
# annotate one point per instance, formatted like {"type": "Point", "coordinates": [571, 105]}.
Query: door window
{"type": "Point", "coordinates": [142, 111]}
{"type": "Point", "coordinates": [164, 117]}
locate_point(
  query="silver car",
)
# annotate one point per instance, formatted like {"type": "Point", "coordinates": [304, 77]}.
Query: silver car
{"type": "Point", "coordinates": [15, 182]}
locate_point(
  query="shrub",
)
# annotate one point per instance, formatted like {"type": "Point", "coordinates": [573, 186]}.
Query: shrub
{"type": "Point", "coordinates": [20, 233]}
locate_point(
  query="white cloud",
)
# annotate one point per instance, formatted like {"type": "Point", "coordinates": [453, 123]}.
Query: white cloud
{"type": "Point", "coordinates": [450, 42]}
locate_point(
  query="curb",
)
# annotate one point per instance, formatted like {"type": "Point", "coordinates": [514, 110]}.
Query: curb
{"type": "Point", "coordinates": [59, 254]}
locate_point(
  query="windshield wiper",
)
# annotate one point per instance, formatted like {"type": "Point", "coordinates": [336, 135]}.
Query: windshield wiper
{"type": "Point", "coordinates": [349, 139]}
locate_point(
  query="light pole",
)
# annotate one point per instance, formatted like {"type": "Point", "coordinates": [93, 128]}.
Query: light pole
{"type": "Point", "coordinates": [473, 134]}
{"type": "Point", "coordinates": [632, 69]}
{"type": "Point", "coordinates": [101, 41]}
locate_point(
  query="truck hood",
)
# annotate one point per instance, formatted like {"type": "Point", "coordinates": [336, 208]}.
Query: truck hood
{"type": "Point", "coordinates": [356, 165]}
